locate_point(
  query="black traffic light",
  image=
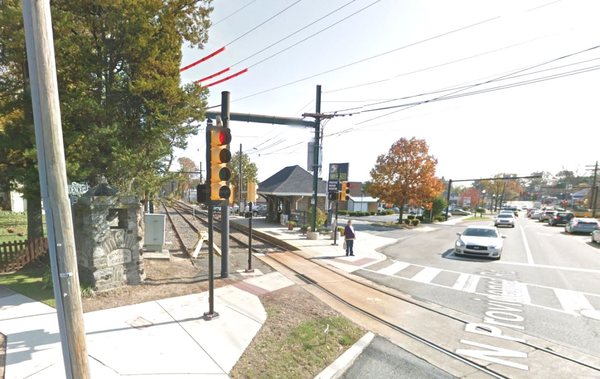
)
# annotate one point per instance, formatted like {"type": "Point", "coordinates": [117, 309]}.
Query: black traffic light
{"type": "Point", "coordinates": [202, 194]}
{"type": "Point", "coordinates": [218, 139]}
{"type": "Point", "coordinates": [333, 196]}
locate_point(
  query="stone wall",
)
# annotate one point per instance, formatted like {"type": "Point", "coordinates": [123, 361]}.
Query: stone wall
{"type": "Point", "coordinates": [108, 236]}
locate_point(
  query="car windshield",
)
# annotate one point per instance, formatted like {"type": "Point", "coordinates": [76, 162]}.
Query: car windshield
{"type": "Point", "coordinates": [478, 232]}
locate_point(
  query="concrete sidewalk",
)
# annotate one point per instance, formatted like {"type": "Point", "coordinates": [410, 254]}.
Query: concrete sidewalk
{"type": "Point", "coordinates": [158, 339]}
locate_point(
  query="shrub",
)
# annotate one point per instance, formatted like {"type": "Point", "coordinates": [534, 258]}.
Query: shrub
{"type": "Point", "coordinates": [343, 212]}
{"type": "Point", "coordinates": [415, 222]}
{"type": "Point", "coordinates": [407, 221]}
{"type": "Point", "coordinates": [439, 218]}
{"type": "Point", "coordinates": [410, 217]}
{"type": "Point", "coordinates": [321, 217]}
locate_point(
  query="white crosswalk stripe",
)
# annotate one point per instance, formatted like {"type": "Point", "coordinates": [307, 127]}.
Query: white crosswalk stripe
{"type": "Point", "coordinates": [426, 275]}
{"type": "Point", "coordinates": [572, 301]}
{"type": "Point", "coordinates": [466, 283]}
{"type": "Point", "coordinates": [393, 268]}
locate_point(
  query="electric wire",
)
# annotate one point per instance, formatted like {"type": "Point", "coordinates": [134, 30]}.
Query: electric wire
{"type": "Point", "coordinates": [456, 96]}
{"type": "Point", "coordinates": [486, 82]}
{"type": "Point", "coordinates": [446, 89]}
{"type": "Point", "coordinates": [431, 67]}
{"type": "Point", "coordinates": [369, 58]}
{"type": "Point", "coordinates": [294, 33]}
{"type": "Point", "coordinates": [233, 13]}
{"type": "Point", "coordinates": [314, 34]}
{"type": "Point", "coordinates": [262, 23]}
{"type": "Point", "coordinates": [376, 56]}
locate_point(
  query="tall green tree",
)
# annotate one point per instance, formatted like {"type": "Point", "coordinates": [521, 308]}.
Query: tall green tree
{"type": "Point", "coordinates": [124, 110]}
{"type": "Point", "coordinates": [406, 175]}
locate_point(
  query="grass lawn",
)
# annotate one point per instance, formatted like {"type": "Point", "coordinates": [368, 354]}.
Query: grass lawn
{"type": "Point", "coordinates": [13, 226]}
{"type": "Point", "coordinates": [478, 218]}
{"type": "Point", "coordinates": [29, 282]}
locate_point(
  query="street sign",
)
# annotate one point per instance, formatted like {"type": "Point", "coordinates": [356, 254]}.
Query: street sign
{"type": "Point", "coordinates": [333, 186]}
{"type": "Point", "coordinates": [338, 172]}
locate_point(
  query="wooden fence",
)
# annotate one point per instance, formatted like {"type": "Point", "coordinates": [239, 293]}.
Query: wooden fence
{"type": "Point", "coordinates": [15, 255]}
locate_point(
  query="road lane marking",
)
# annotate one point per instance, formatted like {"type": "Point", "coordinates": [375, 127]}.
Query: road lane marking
{"type": "Point", "coordinates": [572, 301]}
{"type": "Point", "coordinates": [393, 268]}
{"type": "Point", "coordinates": [466, 283]}
{"type": "Point", "coordinates": [426, 275]}
{"type": "Point", "coordinates": [527, 251]}
{"type": "Point", "coordinates": [587, 270]}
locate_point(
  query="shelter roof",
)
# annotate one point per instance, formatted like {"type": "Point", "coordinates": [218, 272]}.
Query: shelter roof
{"type": "Point", "coordinates": [291, 181]}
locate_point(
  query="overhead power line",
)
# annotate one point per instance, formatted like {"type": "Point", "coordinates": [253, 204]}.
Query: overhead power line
{"type": "Point", "coordinates": [376, 56]}
{"type": "Point", "coordinates": [446, 89]}
{"type": "Point", "coordinates": [316, 33]}
{"type": "Point", "coordinates": [233, 13]}
{"type": "Point", "coordinates": [370, 58]}
{"type": "Point", "coordinates": [294, 33]}
{"type": "Point", "coordinates": [487, 82]}
{"type": "Point", "coordinates": [262, 23]}
{"type": "Point", "coordinates": [430, 67]}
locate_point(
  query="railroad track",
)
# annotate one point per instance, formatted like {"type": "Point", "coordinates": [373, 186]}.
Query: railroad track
{"type": "Point", "coordinates": [267, 247]}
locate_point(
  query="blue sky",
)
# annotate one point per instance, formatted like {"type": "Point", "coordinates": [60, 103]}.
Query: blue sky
{"type": "Point", "coordinates": [413, 47]}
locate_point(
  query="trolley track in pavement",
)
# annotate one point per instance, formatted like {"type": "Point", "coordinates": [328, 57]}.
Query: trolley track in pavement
{"type": "Point", "coordinates": [271, 247]}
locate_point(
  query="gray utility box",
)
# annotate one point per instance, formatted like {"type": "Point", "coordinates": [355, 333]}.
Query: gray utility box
{"type": "Point", "coordinates": [154, 231]}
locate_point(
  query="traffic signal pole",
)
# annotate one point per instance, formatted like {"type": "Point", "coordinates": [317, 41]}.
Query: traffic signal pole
{"type": "Point", "coordinates": [316, 159]}
{"type": "Point", "coordinates": [225, 206]}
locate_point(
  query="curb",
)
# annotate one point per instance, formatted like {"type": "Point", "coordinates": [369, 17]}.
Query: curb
{"type": "Point", "coordinates": [344, 361]}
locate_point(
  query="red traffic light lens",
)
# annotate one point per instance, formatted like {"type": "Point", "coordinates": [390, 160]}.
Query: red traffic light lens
{"type": "Point", "coordinates": [224, 137]}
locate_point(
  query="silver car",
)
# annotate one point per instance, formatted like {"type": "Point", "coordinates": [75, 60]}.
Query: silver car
{"type": "Point", "coordinates": [505, 219]}
{"type": "Point", "coordinates": [480, 241]}
{"type": "Point", "coordinates": [582, 225]}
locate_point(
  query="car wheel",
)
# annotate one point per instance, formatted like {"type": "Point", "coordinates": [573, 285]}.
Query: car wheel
{"type": "Point", "coordinates": [512, 226]}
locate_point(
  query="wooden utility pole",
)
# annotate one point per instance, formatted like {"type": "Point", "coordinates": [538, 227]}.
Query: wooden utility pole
{"type": "Point", "coordinates": [53, 185]}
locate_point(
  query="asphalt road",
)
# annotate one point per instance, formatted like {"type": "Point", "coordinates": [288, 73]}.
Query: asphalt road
{"type": "Point", "coordinates": [549, 280]}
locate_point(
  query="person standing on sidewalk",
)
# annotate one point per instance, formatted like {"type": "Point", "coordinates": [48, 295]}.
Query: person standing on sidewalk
{"type": "Point", "coordinates": [349, 237]}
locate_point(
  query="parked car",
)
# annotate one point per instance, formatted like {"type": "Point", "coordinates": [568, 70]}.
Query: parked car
{"type": "Point", "coordinates": [596, 236]}
{"type": "Point", "coordinates": [531, 211]}
{"type": "Point", "coordinates": [460, 212]}
{"type": "Point", "coordinates": [505, 219]}
{"type": "Point", "coordinates": [546, 215]}
{"type": "Point", "coordinates": [537, 214]}
{"type": "Point", "coordinates": [560, 218]}
{"type": "Point", "coordinates": [582, 225]}
{"type": "Point", "coordinates": [480, 241]}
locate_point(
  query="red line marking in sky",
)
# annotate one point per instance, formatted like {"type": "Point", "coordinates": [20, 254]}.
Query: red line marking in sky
{"type": "Point", "coordinates": [202, 59]}
{"type": "Point", "coordinates": [213, 75]}
{"type": "Point", "coordinates": [227, 78]}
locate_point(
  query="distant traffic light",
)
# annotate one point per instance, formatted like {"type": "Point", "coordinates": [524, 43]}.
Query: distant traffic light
{"type": "Point", "coordinates": [218, 139]}
{"type": "Point", "coordinates": [345, 191]}
{"type": "Point", "coordinates": [333, 196]}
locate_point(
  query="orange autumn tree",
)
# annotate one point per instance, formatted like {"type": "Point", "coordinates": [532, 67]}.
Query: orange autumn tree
{"type": "Point", "coordinates": [406, 175]}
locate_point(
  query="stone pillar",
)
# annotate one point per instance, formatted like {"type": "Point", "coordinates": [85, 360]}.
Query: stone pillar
{"type": "Point", "coordinates": [108, 236]}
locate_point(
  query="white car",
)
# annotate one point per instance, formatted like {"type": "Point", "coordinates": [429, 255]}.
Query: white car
{"type": "Point", "coordinates": [505, 219]}
{"type": "Point", "coordinates": [480, 241]}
